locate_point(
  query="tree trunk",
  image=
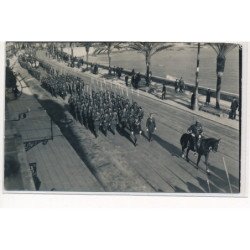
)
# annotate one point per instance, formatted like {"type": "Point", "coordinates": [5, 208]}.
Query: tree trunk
{"type": "Point", "coordinates": [218, 88]}
{"type": "Point", "coordinates": [109, 59]}
{"type": "Point", "coordinates": [148, 64]}
{"type": "Point", "coordinates": [195, 105]}
{"type": "Point", "coordinates": [87, 57]}
{"type": "Point", "coordinates": [72, 51]}
{"type": "Point", "coordinates": [219, 70]}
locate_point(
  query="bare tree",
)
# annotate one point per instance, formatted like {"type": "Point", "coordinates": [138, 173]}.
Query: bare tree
{"type": "Point", "coordinates": [221, 49]}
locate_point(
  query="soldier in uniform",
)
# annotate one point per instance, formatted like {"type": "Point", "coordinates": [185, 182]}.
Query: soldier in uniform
{"type": "Point", "coordinates": [123, 117]}
{"type": "Point", "coordinates": [140, 114]}
{"type": "Point", "coordinates": [113, 122]}
{"type": "Point", "coordinates": [151, 126]}
{"type": "Point", "coordinates": [196, 131]}
{"type": "Point", "coordinates": [105, 123]}
{"type": "Point", "coordinates": [96, 123]}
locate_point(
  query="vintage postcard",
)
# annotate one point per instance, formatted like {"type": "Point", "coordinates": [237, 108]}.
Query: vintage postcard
{"type": "Point", "coordinates": [123, 117]}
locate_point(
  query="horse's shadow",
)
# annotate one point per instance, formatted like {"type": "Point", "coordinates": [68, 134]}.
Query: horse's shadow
{"type": "Point", "coordinates": [172, 149]}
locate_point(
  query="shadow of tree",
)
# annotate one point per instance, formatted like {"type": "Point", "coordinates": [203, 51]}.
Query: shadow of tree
{"type": "Point", "coordinates": [235, 183]}
{"type": "Point", "coordinates": [204, 184]}
{"type": "Point", "coordinates": [179, 190]}
{"type": "Point", "coordinates": [193, 188]}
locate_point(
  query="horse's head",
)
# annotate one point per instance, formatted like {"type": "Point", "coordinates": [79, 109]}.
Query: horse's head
{"type": "Point", "coordinates": [214, 145]}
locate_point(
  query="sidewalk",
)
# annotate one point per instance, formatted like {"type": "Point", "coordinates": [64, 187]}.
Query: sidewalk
{"type": "Point", "coordinates": [58, 165]}
{"type": "Point", "coordinates": [180, 101]}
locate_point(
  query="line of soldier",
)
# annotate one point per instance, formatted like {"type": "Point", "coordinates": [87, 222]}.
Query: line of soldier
{"type": "Point", "coordinates": [98, 110]}
{"type": "Point", "coordinates": [61, 85]}
{"type": "Point", "coordinates": [31, 64]}
{"type": "Point", "coordinates": [104, 110]}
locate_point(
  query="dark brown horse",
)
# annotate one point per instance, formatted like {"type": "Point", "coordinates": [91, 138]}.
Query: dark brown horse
{"type": "Point", "coordinates": [205, 147]}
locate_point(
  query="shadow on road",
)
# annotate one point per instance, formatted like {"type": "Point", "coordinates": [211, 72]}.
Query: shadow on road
{"type": "Point", "coordinates": [193, 188]}
{"type": "Point", "coordinates": [124, 133]}
{"type": "Point", "coordinates": [222, 176]}
{"type": "Point", "coordinates": [172, 149]}
{"type": "Point", "coordinates": [179, 190]}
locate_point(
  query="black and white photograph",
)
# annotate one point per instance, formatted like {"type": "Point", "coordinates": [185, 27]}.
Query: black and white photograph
{"type": "Point", "coordinates": [123, 117]}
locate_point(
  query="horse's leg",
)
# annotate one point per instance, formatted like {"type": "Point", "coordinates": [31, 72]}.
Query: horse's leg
{"type": "Point", "coordinates": [206, 162]}
{"type": "Point", "coordinates": [183, 151]}
{"type": "Point", "coordinates": [187, 154]}
{"type": "Point", "coordinates": [198, 160]}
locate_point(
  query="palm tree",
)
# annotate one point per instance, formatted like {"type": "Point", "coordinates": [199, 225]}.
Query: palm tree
{"type": "Point", "coordinates": [221, 50]}
{"type": "Point", "coordinates": [107, 47]}
{"type": "Point", "coordinates": [148, 50]}
{"type": "Point", "coordinates": [87, 46]}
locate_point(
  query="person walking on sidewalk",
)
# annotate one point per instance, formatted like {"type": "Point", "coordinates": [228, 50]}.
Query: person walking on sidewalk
{"type": "Point", "coordinates": [181, 85]}
{"type": "Point", "coordinates": [176, 85]}
{"type": "Point", "coordinates": [234, 106]}
{"type": "Point", "coordinates": [151, 126]}
{"type": "Point", "coordinates": [208, 97]}
{"type": "Point", "coordinates": [164, 90]}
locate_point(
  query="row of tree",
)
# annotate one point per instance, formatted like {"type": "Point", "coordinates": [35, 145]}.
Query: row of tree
{"type": "Point", "coordinates": [149, 49]}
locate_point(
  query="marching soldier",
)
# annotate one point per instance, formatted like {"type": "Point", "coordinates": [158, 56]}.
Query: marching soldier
{"type": "Point", "coordinates": [113, 122]}
{"type": "Point", "coordinates": [151, 126]}
{"type": "Point", "coordinates": [96, 123]}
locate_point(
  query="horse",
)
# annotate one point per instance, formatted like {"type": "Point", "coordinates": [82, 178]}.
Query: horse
{"type": "Point", "coordinates": [206, 146]}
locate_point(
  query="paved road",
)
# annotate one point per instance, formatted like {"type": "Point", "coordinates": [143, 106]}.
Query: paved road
{"type": "Point", "coordinates": [160, 162]}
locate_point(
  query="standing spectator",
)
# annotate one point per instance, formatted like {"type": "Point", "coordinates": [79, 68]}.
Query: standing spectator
{"type": "Point", "coordinates": [176, 85]}
{"type": "Point", "coordinates": [151, 126]}
{"type": "Point", "coordinates": [137, 80]}
{"type": "Point", "coordinates": [164, 90]}
{"type": "Point", "coordinates": [182, 85]}
{"type": "Point", "coordinates": [192, 100]}
{"type": "Point", "coordinates": [208, 97]}
{"type": "Point", "coordinates": [234, 106]}
{"type": "Point", "coordinates": [126, 80]}
{"type": "Point", "coordinates": [133, 80]}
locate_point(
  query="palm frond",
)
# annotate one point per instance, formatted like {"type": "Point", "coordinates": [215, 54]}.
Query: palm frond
{"type": "Point", "coordinates": [161, 48]}
{"type": "Point", "coordinates": [221, 49]}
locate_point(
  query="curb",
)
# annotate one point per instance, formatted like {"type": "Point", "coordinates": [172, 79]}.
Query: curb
{"type": "Point", "coordinates": [143, 93]}
{"type": "Point", "coordinates": [172, 105]}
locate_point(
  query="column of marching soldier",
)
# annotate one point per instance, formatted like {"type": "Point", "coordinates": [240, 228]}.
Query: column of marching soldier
{"type": "Point", "coordinates": [98, 110]}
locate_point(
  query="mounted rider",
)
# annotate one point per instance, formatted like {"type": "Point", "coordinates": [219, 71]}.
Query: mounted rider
{"type": "Point", "coordinates": [196, 131]}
